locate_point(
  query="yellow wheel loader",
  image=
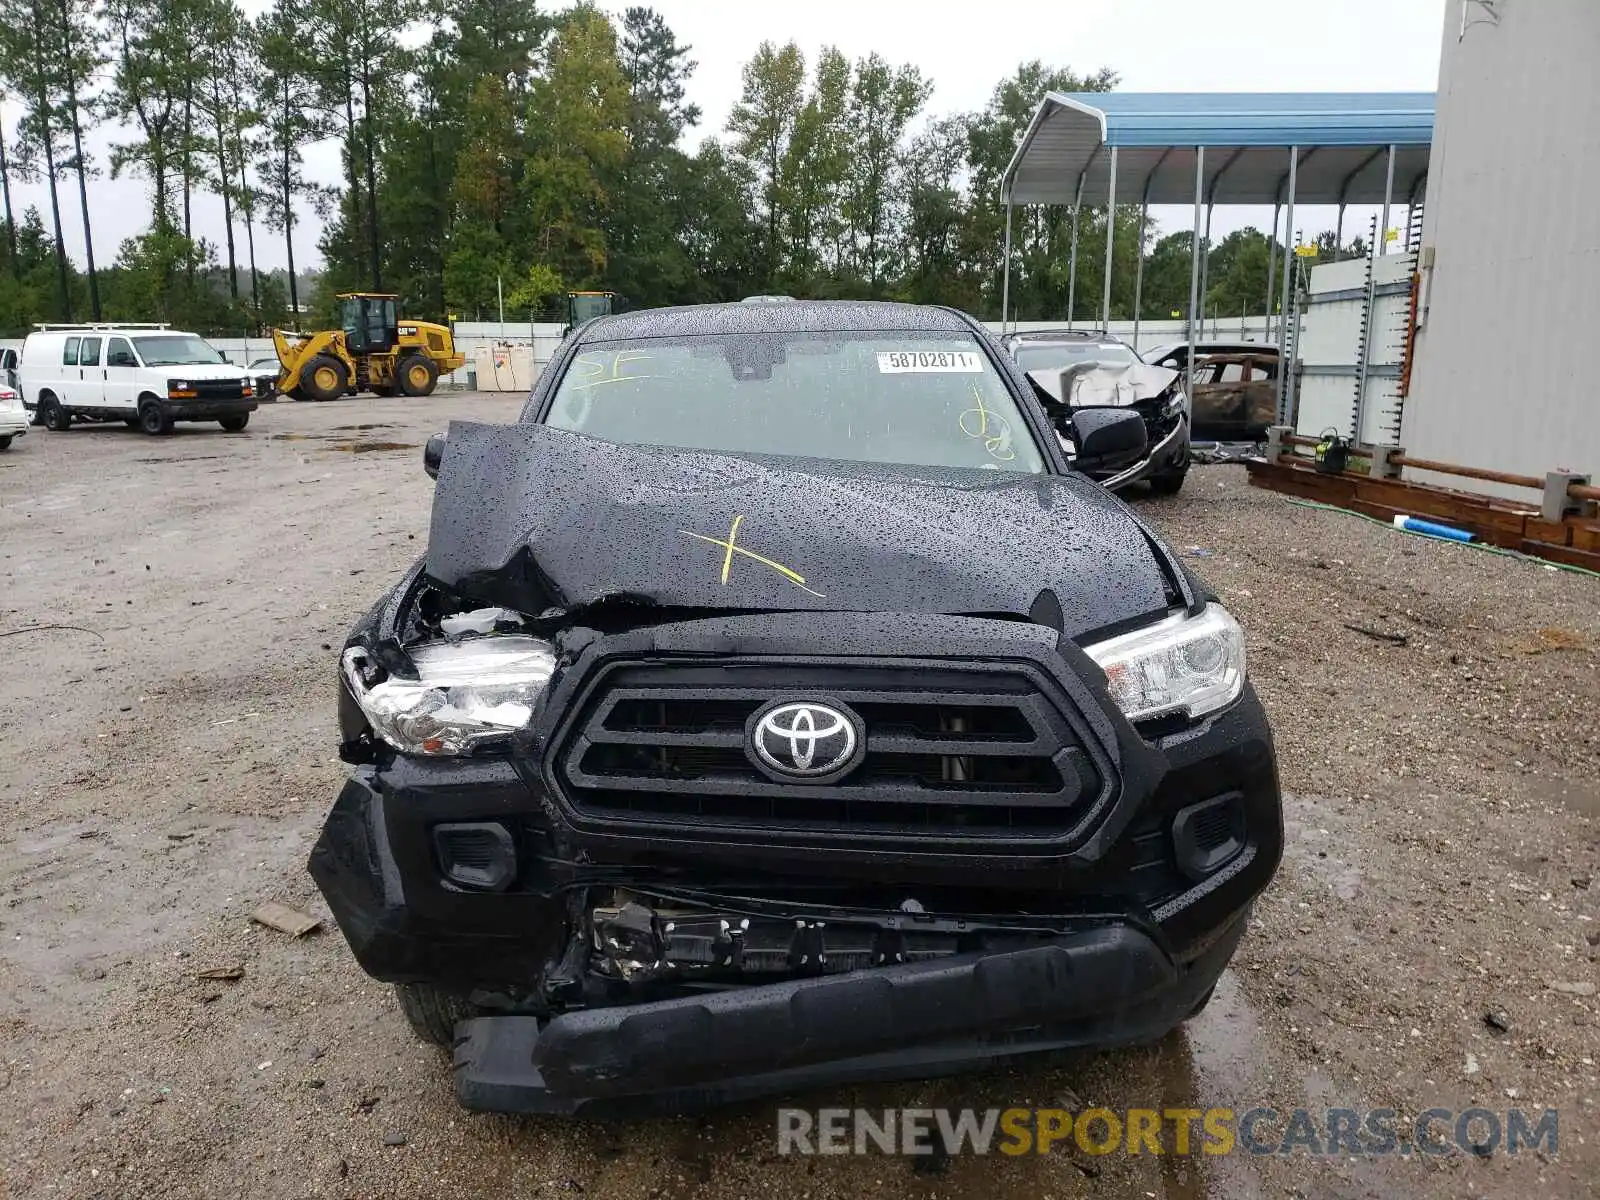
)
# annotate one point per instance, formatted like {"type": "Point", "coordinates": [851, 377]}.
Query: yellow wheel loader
{"type": "Point", "coordinates": [373, 350]}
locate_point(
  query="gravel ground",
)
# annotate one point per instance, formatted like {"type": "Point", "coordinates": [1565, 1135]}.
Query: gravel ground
{"type": "Point", "coordinates": [1430, 941]}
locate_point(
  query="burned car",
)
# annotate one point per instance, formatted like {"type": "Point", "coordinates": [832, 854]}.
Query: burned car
{"type": "Point", "coordinates": [1236, 395]}
{"type": "Point", "coordinates": [1078, 369]}
{"type": "Point", "coordinates": [775, 705]}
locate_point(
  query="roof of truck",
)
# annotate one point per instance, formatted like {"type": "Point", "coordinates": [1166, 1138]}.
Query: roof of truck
{"type": "Point", "coordinates": [800, 316]}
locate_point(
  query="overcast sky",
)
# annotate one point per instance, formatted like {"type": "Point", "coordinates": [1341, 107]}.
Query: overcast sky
{"type": "Point", "coordinates": [1153, 45]}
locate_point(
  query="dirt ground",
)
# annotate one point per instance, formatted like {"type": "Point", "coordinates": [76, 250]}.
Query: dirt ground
{"type": "Point", "coordinates": [1430, 941]}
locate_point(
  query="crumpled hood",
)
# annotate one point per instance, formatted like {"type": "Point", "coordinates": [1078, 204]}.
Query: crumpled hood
{"type": "Point", "coordinates": [1104, 385]}
{"type": "Point", "coordinates": [536, 519]}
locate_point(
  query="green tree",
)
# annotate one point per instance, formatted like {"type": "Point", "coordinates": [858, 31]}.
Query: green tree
{"type": "Point", "coordinates": [77, 56]}
{"type": "Point", "coordinates": [816, 164]}
{"type": "Point", "coordinates": [883, 101]}
{"type": "Point", "coordinates": [222, 107]}
{"type": "Point", "coordinates": [646, 259]}
{"type": "Point", "coordinates": [287, 98]}
{"type": "Point", "coordinates": [5, 187]}
{"type": "Point", "coordinates": [762, 124]}
{"type": "Point", "coordinates": [577, 136]}
{"type": "Point", "coordinates": [1038, 284]}
{"type": "Point", "coordinates": [936, 271]}
{"type": "Point", "coordinates": [29, 57]}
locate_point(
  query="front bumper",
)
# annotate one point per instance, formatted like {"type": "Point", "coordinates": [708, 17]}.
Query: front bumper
{"type": "Point", "coordinates": [1104, 987]}
{"type": "Point", "coordinates": [204, 409]}
{"type": "Point", "coordinates": [1124, 932]}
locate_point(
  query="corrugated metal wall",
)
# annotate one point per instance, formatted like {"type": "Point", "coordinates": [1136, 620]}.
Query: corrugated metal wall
{"type": "Point", "coordinates": [1504, 369]}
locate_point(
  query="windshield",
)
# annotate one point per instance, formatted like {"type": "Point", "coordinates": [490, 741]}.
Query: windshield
{"type": "Point", "coordinates": [918, 399]}
{"type": "Point", "coordinates": [1058, 355]}
{"type": "Point", "coordinates": [175, 350]}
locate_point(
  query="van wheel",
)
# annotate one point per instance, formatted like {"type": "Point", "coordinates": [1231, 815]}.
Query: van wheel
{"type": "Point", "coordinates": [52, 416]}
{"type": "Point", "coordinates": [432, 1013]}
{"type": "Point", "coordinates": [234, 424]}
{"type": "Point", "coordinates": [153, 420]}
{"type": "Point", "coordinates": [418, 375]}
{"type": "Point", "coordinates": [324, 378]}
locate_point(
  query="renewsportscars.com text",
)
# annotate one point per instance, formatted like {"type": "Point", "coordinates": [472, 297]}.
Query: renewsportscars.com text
{"type": "Point", "coordinates": [1166, 1131]}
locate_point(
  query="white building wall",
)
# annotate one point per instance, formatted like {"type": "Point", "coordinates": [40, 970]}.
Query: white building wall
{"type": "Point", "coordinates": [1502, 376]}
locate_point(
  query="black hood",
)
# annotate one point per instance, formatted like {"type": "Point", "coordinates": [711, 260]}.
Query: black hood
{"type": "Point", "coordinates": [536, 518]}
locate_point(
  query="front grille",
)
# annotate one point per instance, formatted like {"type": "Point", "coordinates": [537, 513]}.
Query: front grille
{"type": "Point", "coordinates": [217, 389]}
{"type": "Point", "coordinates": [952, 751]}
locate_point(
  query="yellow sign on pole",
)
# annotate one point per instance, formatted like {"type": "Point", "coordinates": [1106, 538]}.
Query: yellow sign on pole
{"type": "Point", "coordinates": [1305, 251]}
{"type": "Point", "coordinates": [1176, 313]}
{"type": "Point", "coordinates": [1391, 235]}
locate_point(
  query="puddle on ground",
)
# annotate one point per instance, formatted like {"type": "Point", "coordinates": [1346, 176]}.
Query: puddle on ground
{"type": "Point", "coordinates": [368, 447]}
{"type": "Point", "coordinates": [1579, 796]}
{"type": "Point", "coordinates": [338, 445]}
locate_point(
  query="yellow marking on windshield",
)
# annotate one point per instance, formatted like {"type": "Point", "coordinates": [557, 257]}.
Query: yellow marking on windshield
{"type": "Point", "coordinates": [998, 444]}
{"type": "Point", "coordinates": [592, 371]}
{"type": "Point", "coordinates": [731, 546]}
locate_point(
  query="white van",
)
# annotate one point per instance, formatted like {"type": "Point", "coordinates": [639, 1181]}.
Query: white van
{"type": "Point", "coordinates": [147, 376]}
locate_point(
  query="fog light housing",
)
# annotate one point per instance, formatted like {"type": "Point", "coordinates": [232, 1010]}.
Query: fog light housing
{"type": "Point", "coordinates": [1209, 835]}
{"type": "Point", "coordinates": [479, 855]}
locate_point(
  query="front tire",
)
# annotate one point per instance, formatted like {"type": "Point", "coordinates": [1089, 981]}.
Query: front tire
{"type": "Point", "coordinates": [432, 1013]}
{"type": "Point", "coordinates": [324, 378]}
{"type": "Point", "coordinates": [52, 416]}
{"type": "Point", "coordinates": [1171, 480]}
{"type": "Point", "coordinates": [153, 419]}
{"type": "Point", "coordinates": [418, 375]}
{"type": "Point", "coordinates": [234, 424]}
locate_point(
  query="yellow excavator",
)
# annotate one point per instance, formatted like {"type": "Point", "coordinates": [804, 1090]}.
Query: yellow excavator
{"type": "Point", "coordinates": [373, 350]}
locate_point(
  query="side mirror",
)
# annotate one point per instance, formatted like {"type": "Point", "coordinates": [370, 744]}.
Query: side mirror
{"type": "Point", "coordinates": [1107, 438]}
{"type": "Point", "coordinates": [433, 455]}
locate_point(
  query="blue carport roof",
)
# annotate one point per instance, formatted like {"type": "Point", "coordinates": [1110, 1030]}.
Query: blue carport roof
{"type": "Point", "coordinates": [1341, 137]}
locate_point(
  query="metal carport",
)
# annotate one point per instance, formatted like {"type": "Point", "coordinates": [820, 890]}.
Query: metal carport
{"type": "Point", "coordinates": [1216, 148]}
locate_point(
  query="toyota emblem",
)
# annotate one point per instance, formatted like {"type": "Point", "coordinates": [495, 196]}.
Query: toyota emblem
{"type": "Point", "coordinates": [806, 740]}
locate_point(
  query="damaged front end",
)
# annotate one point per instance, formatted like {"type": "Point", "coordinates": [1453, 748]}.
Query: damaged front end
{"type": "Point", "coordinates": [560, 836]}
{"type": "Point", "coordinates": [1155, 393]}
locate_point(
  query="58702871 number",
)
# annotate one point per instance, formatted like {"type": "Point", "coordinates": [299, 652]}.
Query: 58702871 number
{"type": "Point", "coordinates": [900, 361]}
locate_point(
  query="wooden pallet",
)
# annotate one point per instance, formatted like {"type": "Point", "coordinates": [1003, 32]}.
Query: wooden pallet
{"type": "Point", "coordinates": [1499, 522]}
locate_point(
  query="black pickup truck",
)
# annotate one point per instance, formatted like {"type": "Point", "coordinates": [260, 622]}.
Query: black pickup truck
{"type": "Point", "coordinates": [774, 705]}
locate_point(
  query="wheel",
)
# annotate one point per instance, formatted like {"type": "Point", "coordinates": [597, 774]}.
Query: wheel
{"type": "Point", "coordinates": [323, 378]}
{"type": "Point", "coordinates": [5, 441]}
{"type": "Point", "coordinates": [417, 375]}
{"type": "Point", "coordinates": [1169, 481]}
{"type": "Point", "coordinates": [52, 416]}
{"type": "Point", "coordinates": [234, 424]}
{"type": "Point", "coordinates": [1200, 1004]}
{"type": "Point", "coordinates": [433, 1014]}
{"type": "Point", "coordinates": [153, 419]}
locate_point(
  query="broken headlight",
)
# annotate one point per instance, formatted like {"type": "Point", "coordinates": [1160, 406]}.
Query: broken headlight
{"type": "Point", "coordinates": [465, 693]}
{"type": "Point", "coordinates": [1193, 665]}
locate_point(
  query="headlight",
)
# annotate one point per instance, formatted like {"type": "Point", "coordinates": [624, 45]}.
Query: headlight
{"type": "Point", "coordinates": [1193, 665]}
{"type": "Point", "coordinates": [1176, 403]}
{"type": "Point", "coordinates": [466, 692]}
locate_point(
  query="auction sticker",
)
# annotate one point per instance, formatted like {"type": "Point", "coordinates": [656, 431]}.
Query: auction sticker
{"type": "Point", "coordinates": [896, 362]}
